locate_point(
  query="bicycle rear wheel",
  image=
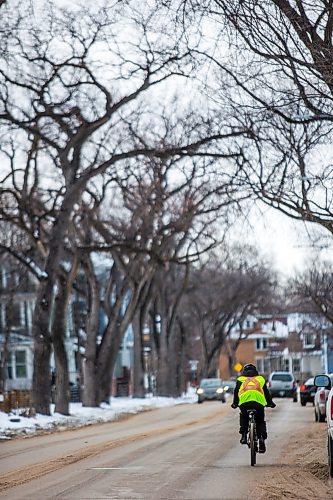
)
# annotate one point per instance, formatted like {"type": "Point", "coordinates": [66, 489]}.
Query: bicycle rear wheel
{"type": "Point", "coordinates": [252, 443]}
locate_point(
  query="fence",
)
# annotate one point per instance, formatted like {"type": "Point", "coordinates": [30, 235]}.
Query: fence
{"type": "Point", "coordinates": [20, 401]}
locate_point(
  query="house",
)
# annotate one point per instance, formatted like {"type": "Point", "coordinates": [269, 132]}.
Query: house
{"type": "Point", "coordinates": [17, 300]}
{"type": "Point", "coordinates": [298, 343]}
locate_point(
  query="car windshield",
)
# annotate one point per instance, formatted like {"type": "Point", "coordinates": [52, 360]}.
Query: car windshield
{"type": "Point", "coordinates": [230, 383]}
{"type": "Point", "coordinates": [214, 382]}
{"type": "Point", "coordinates": [309, 381]}
{"type": "Point", "coordinates": [284, 377]}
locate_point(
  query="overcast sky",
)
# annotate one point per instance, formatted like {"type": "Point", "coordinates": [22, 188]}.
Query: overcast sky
{"type": "Point", "coordinates": [290, 244]}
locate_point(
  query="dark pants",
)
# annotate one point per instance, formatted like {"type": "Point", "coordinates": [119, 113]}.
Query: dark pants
{"type": "Point", "coordinates": [259, 417]}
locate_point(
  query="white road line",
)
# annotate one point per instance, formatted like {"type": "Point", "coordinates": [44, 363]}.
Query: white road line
{"type": "Point", "coordinates": [109, 468]}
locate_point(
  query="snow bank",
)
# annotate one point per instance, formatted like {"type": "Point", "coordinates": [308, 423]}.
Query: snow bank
{"type": "Point", "coordinates": [12, 424]}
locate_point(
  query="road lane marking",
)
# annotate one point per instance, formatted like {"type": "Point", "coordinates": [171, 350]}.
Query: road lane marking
{"type": "Point", "coordinates": [109, 468]}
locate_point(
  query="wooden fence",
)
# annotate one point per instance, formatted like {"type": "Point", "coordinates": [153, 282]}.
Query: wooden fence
{"type": "Point", "coordinates": [18, 401]}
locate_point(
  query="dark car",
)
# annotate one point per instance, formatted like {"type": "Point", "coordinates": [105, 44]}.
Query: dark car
{"type": "Point", "coordinates": [307, 391]}
{"type": "Point", "coordinates": [211, 388]}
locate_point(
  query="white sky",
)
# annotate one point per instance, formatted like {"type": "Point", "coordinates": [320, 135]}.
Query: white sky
{"type": "Point", "coordinates": [289, 244]}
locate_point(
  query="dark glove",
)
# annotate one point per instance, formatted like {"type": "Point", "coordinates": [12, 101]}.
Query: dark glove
{"type": "Point", "coordinates": [272, 405]}
{"type": "Point", "coordinates": [233, 406]}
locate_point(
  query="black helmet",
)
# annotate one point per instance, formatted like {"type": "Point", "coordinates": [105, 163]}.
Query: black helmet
{"type": "Point", "coordinates": [249, 369]}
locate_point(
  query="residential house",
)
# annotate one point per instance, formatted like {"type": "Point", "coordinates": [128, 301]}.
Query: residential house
{"type": "Point", "coordinates": [297, 343]}
{"type": "Point", "coordinates": [17, 300]}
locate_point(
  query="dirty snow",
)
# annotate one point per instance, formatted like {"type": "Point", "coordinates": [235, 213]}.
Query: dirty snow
{"type": "Point", "coordinates": [14, 424]}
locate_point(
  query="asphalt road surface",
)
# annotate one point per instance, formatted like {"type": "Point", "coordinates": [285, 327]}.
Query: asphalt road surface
{"type": "Point", "coordinates": [179, 452]}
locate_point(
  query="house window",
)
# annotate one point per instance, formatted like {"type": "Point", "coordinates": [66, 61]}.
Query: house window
{"type": "Point", "coordinates": [21, 364]}
{"type": "Point", "coordinates": [266, 366]}
{"type": "Point", "coordinates": [296, 365]}
{"type": "Point", "coordinates": [13, 314]}
{"type": "Point", "coordinates": [9, 368]}
{"type": "Point", "coordinates": [261, 344]}
{"type": "Point", "coordinates": [308, 340]}
{"type": "Point", "coordinates": [260, 365]}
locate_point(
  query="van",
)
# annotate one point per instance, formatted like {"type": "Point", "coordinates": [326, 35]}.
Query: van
{"type": "Point", "coordinates": [282, 384]}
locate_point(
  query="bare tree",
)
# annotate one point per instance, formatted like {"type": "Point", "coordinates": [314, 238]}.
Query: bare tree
{"type": "Point", "coordinates": [271, 63]}
{"type": "Point", "coordinates": [283, 71]}
{"type": "Point", "coordinates": [68, 115]}
{"type": "Point", "coordinates": [316, 286]}
{"type": "Point", "coordinates": [164, 217]}
{"type": "Point", "coordinates": [221, 296]}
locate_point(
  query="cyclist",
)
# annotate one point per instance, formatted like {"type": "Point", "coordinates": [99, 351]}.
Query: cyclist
{"type": "Point", "coordinates": [251, 393]}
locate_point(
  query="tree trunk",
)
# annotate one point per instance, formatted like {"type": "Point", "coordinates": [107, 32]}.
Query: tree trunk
{"type": "Point", "coordinates": [3, 362]}
{"type": "Point", "coordinates": [174, 356]}
{"type": "Point", "coordinates": [107, 363]}
{"type": "Point", "coordinates": [114, 334]}
{"type": "Point", "coordinates": [61, 362]}
{"type": "Point", "coordinates": [41, 381]}
{"type": "Point", "coordinates": [90, 387]}
{"type": "Point", "coordinates": [138, 369]}
{"type": "Point", "coordinates": [90, 383]}
{"type": "Point", "coordinates": [41, 393]}
{"type": "Point", "coordinates": [60, 355]}
{"type": "Point", "coordinates": [163, 373]}
{"type": "Point", "coordinates": [62, 377]}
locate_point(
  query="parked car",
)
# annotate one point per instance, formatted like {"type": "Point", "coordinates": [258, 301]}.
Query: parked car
{"type": "Point", "coordinates": [282, 384]}
{"type": "Point", "coordinates": [307, 392]}
{"type": "Point", "coordinates": [320, 402]}
{"type": "Point", "coordinates": [211, 388]}
{"type": "Point", "coordinates": [326, 382]}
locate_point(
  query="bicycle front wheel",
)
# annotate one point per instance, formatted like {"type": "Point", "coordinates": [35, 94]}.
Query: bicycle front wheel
{"type": "Point", "coordinates": [252, 443]}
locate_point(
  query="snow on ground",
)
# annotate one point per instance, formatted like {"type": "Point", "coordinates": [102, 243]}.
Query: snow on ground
{"type": "Point", "coordinates": [13, 424]}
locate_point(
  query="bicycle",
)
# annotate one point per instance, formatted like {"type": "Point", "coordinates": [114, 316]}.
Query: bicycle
{"type": "Point", "coordinates": [252, 437]}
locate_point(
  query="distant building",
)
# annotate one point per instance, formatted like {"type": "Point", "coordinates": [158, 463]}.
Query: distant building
{"type": "Point", "coordinates": [17, 301]}
{"type": "Point", "coordinates": [297, 343]}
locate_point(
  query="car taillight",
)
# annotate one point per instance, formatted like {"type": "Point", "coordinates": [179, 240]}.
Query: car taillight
{"type": "Point", "coordinates": [322, 396]}
{"type": "Point", "coordinates": [302, 387]}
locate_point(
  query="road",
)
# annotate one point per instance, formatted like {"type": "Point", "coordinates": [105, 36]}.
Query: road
{"type": "Point", "coordinates": [179, 452]}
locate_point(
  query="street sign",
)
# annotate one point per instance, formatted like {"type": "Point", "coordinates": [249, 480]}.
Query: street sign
{"type": "Point", "coordinates": [193, 364]}
{"type": "Point", "coordinates": [238, 367]}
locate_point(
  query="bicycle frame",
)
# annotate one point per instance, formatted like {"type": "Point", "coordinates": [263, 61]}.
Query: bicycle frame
{"type": "Point", "coordinates": [252, 439]}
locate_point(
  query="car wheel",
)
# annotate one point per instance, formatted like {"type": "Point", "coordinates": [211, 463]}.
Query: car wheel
{"type": "Point", "coordinates": [303, 403]}
{"type": "Point", "coordinates": [295, 398]}
{"type": "Point", "coordinates": [316, 416]}
{"type": "Point", "coordinates": [321, 418]}
{"type": "Point", "coordinates": [199, 401]}
{"type": "Point", "coordinates": [330, 455]}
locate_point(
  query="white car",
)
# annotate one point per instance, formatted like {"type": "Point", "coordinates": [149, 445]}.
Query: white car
{"type": "Point", "coordinates": [325, 381]}
{"type": "Point", "coordinates": [320, 401]}
{"type": "Point", "coordinates": [282, 384]}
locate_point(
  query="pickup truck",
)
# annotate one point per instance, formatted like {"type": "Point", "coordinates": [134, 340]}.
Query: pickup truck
{"type": "Point", "coordinates": [325, 381]}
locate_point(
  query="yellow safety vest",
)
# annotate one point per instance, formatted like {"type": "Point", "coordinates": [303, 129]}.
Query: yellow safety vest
{"type": "Point", "coordinates": [251, 389]}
